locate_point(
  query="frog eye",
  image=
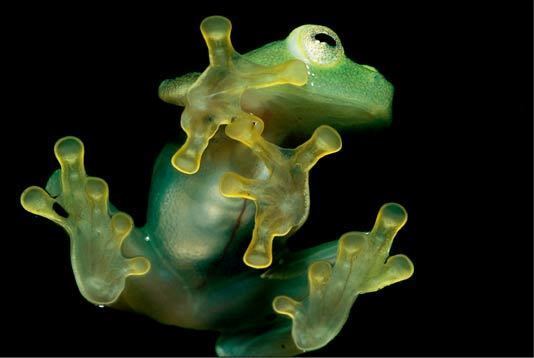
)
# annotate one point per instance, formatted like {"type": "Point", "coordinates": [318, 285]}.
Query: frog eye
{"type": "Point", "coordinates": [315, 44]}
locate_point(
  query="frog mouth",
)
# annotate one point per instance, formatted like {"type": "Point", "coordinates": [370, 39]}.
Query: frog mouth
{"type": "Point", "coordinates": [296, 109]}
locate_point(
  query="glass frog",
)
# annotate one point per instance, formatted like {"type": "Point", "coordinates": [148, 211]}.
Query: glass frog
{"type": "Point", "coordinates": [223, 204]}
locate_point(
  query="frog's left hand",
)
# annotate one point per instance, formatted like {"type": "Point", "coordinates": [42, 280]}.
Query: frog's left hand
{"type": "Point", "coordinates": [282, 199]}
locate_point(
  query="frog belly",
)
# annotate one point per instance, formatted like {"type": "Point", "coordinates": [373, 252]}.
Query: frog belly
{"type": "Point", "coordinates": [191, 223]}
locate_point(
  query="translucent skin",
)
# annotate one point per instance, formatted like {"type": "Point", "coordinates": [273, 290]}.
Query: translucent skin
{"type": "Point", "coordinates": [212, 253]}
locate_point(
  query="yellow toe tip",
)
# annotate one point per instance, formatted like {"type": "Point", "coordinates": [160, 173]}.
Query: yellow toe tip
{"type": "Point", "coordinates": [69, 149]}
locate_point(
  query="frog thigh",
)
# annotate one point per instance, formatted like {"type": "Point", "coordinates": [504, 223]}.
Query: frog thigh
{"type": "Point", "coordinates": [273, 340]}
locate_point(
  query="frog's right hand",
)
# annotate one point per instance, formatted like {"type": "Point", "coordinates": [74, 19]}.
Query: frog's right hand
{"type": "Point", "coordinates": [96, 236]}
{"type": "Point", "coordinates": [213, 98]}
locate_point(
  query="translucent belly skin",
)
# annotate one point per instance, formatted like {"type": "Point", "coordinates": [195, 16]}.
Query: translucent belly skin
{"type": "Point", "coordinates": [229, 196]}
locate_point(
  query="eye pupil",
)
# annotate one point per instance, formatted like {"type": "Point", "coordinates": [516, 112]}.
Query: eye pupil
{"type": "Point", "coordinates": [329, 40]}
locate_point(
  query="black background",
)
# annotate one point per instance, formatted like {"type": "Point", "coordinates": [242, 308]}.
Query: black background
{"type": "Point", "coordinates": [458, 157]}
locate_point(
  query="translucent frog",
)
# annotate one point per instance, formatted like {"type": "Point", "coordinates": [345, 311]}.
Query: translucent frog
{"type": "Point", "coordinates": [212, 254]}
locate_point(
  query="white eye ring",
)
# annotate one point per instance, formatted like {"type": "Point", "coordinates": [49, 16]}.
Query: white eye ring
{"type": "Point", "coordinates": [304, 44]}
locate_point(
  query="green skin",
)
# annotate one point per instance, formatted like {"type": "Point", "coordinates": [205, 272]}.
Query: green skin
{"type": "Point", "coordinates": [195, 238]}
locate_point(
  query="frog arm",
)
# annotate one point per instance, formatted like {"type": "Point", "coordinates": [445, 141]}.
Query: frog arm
{"type": "Point", "coordinates": [174, 91]}
{"type": "Point", "coordinates": [213, 98]}
{"type": "Point", "coordinates": [96, 235]}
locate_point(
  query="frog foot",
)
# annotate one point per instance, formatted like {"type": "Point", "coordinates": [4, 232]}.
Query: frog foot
{"type": "Point", "coordinates": [360, 267]}
{"type": "Point", "coordinates": [282, 198]}
{"type": "Point", "coordinates": [213, 99]}
{"type": "Point", "coordinates": [96, 236]}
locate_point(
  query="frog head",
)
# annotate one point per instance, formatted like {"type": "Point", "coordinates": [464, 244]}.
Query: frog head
{"type": "Point", "coordinates": [339, 92]}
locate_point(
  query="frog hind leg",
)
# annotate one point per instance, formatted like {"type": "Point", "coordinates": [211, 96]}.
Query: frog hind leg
{"type": "Point", "coordinates": [96, 235]}
{"type": "Point", "coordinates": [361, 265]}
{"type": "Point", "coordinates": [313, 291]}
{"type": "Point", "coordinates": [272, 340]}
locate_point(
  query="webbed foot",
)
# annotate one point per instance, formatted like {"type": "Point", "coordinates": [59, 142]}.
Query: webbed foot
{"type": "Point", "coordinates": [282, 199]}
{"type": "Point", "coordinates": [96, 236]}
{"type": "Point", "coordinates": [360, 267]}
{"type": "Point", "coordinates": [214, 98]}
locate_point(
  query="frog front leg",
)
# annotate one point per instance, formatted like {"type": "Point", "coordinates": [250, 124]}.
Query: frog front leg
{"type": "Point", "coordinates": [282, 197]}
{"type": "Point", "coordinates": [324, 282]}
{"type": "Point", "coordinates": [96, 235]}
{"type": "Point", "coordinates": [214, 98]}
